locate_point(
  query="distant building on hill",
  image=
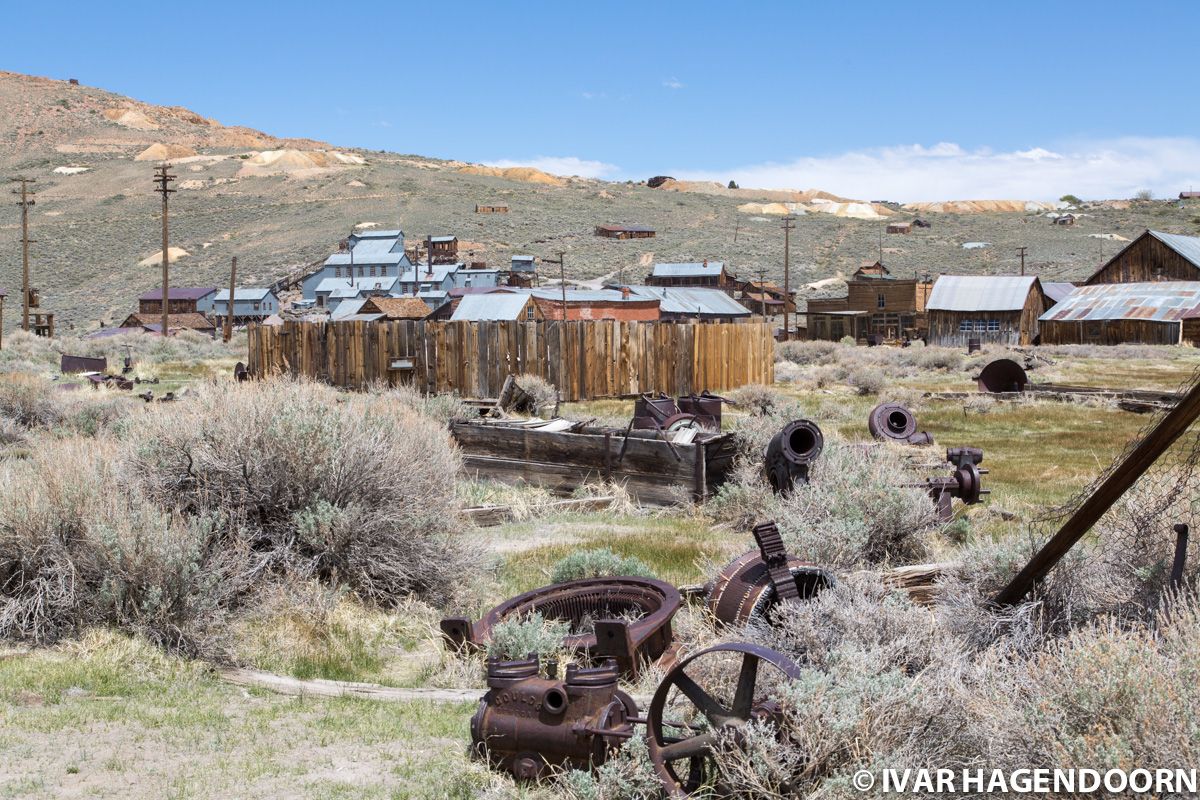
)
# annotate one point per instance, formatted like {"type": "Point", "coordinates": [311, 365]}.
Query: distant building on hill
{"type": "Point", "coordinates": [180, 300]}
{"type": "Point", "coordinates": [710, 274]}
{"type": "Point", "coordinates": [249, 305]}
{"type": "Point", "coordinates": [625, 231]}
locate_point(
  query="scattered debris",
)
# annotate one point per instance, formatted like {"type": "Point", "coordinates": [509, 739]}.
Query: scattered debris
{"type": "Point", "coordinates": [485, 516]}
{"type": "Point", "coordinates": [964, 483]}
{"type": "Point", "coordinates": [71, 364]}
{"type": "Point", "coordinates": [893, 422]}
{"type": "Point", "coordinates": [748, 588]}
{"type": "Point", "coordinates": [631, 618]}
{"type": "Point", "coordinates": [529, 725]}
{"type": "Point", "coordinates": [790, 453]}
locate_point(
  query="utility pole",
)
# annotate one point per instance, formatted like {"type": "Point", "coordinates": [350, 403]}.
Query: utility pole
{"type": "Point", "coordinates": [163, 178]}
{"type": "Point", "coordinates": [229, 308]}
{"type": "Point", "coordinates": [1021, 251]}
{"type": "Point", "coordinates": [789, 224]}
{"type": "Point", "coordinates": [25, 202]}
{"type": "Point", "coordinates": [762, 297]}
{"type": "Point", "coordinates": [562, 281]}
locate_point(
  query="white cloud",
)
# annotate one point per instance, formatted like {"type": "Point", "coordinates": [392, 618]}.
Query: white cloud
{"type": "Point", "coordinates": [673, 83]}
{"type": "Point", "coordinates": [1090, 169]}
{"type": "Point", "coordinates": [563, 165]}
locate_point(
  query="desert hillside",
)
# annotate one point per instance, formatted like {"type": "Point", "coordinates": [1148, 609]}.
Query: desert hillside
{"type": "Point", "coordinates": [280, 204]}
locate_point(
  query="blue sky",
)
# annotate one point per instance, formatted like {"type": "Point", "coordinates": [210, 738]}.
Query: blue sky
{"type": "Point", "coordinates": [916, 101]}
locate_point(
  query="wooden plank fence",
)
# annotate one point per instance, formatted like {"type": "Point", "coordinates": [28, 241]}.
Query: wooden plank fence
{"type": "Point", "coordinates": [585, 360]}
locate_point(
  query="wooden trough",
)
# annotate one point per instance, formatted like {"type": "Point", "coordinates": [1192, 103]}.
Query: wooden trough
{"type": "Point", "coordinates": [563, 456]}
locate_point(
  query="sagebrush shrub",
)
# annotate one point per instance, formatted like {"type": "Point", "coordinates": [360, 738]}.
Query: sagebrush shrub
{"type": "Point", "coordinates": [598, 563]}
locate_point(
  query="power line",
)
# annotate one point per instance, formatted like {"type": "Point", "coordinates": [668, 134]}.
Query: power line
{"type": "Point", "coordinates": [163, 178]}
{"type": "Point", "coordinates": [25, 202]}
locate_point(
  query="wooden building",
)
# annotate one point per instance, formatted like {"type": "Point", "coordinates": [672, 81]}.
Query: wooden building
{"type": "Point", "coordinates": [996, 309]}
{"type": "Point", "coordinates": [876, 303]}
{"type": "Point", "coordinates": [1153, 256]}
{"type": "Point", "coordinates": [1166, 312]}
{"type": "Point", "coordinates": [180, 300]}
{"type": "Point", "coordinates": [175, 323]}
{"type": "Point", "coordinates": [709, 274]}
{"type": "Point", "coordinates": [900, 227]}
{"type": "Point", "coordinates": [491, 208]}
{"type": "Point", "coordinates": [393, 308]}
{"type": "Point", "coordinates": [625, 231]}
{"type": "Point", "coordinates": [597, 304]}
{"type": "Point", "coordinates": [442, 249]}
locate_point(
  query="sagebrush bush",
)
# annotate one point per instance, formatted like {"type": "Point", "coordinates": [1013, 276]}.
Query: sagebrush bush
{"type": "Point", "coordinates": [349, 489]}
{"type": "Point", "coordinates": [79, 547]}
{"type": "Point", "coordinates": [815, 351]}
{"type": "Point", "coordinates": [867, 380]}
{"type": "Point", "coordinates": [29, 401]}
{"type": "Point", "coordinates": [598, 563]}
{"type": "Point", "coordinates": [519, 637]}
{"type": "Point", "coordinates": [755, 399]}
{"type": "Point", "coordinates": [628, 774]}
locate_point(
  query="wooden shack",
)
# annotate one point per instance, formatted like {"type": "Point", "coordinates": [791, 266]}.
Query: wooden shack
{"type": "Point", "coordinates": [625, 231]}
{"type": "Point", "coordinates": [491, 208]}
{"type": "Point", "coordinates": [1153, 256]}
{"type": "Point", "coordinates": [996, 309]}
{"type": "Point", "coordinates": [900, 227]}
{"type": "Point", "coordinates": [875, 303]}
{"type": "Point", "coordinates": [1166, 312]}
{"type": "Point", "coordinates": [442, 249]}
{"type": "Point", "coordinates": [652, 467]}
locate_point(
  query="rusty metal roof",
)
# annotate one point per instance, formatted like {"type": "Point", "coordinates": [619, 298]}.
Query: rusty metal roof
{"type": "Point", "coordinates": [1057, 290]}
{"type": "Point", "coordinates": [180, 293]}
{"type": "Point", "coordinates": [1165, 301]}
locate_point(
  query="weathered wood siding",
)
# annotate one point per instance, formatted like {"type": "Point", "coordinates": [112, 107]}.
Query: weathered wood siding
{"type": "Point", "coordinates": [1016, 327]}
{"type": "Point", "coordinates": [1191, 331]}
{"type": "Point", "coordinates": [1109, 331]}
{"type": "Point", "coordinates": [585, 360]}
{"type": "Point", "coordinates": [1146, 260]}
{"type": "Point", "coordinates": [651, 470]}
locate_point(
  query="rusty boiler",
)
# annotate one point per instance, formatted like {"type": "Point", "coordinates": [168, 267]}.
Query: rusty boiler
{"type": "Point", "coordinates": [528, 723]}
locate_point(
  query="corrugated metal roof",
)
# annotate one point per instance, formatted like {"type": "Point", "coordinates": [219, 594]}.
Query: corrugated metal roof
{"type": "Point", "coordinates": [249, 293]}
{"type": "Point", "coordinates": [980, 292]}
{"type": "Point", "coordinates": [394, 233]}
{"type": "Point", "coordinates": [346, 308]}
{"type": "Point", "coordinates": [1186, 246]}
{"type": "Point", "coordinates": [1165, 301]}
{"type": "Point", "coordinates": [697, 269]}
{"type": "Point", "coordinates": [477, 307]}
{"type": "Point", "coordinates": [442, 238]}
{"type": "Point", "coordinates": [692, 300]}
{"type": "Point", "coordinates": [1056, 291]}
{"type": "Point", "coordinates": [179, 293]}
{"type": "Point", "coordinates": [343, 287]}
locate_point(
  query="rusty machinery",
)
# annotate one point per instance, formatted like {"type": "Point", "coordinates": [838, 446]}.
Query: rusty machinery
{"type": "Point", "coordinates": [707, 717]}
{"type": "Point", "coordinates": [627, 619]}
{"type": "Point", "coordinates": [965, 483]}
{"type": "Point", "coordinates": [747, 588]}
{"type": "Point", "coordinates": [790, 453]}
{"type": "Point", "coordinates": [894, 423]}
{"type": "Point", "coordinates": [1002, 375]}
{"type": "Point", "coordinates": [660, 412]}
{"type": "Point", "coordinates": [529, 723]}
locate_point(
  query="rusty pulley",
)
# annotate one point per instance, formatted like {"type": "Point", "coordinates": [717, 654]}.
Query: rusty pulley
{"type": "Point", "coordinates": [749, 587]}
{"type": "Point", "coordinates": [693, 711]}
{"type": "Point", "coordinates": [790, 453]}
{"type": "Point", "coordinates": [895, 423]}
{"type": "Point", "coordinates": [625, 618]}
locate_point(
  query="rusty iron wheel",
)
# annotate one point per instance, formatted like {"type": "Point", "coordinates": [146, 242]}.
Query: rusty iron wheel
{"type": "Point", "coordinates": [723, 717]}
{"type": "Point", "coordinates": [891, 421]}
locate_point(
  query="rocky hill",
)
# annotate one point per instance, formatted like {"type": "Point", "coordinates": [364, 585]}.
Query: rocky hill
{"type": "Point", "coordinates": [281, 204]}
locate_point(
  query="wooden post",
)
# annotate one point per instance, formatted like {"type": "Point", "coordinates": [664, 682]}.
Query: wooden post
{"type": "Point", "coordinates": [1140, 459]}
{"type": "Point", "coordinates": [25, 202]}
{"type": "Point", "coordinates": [229, 307]}
{"type": "Point", "coordinates": [789, 224]}
{"type": "Point", "coordinates": [163, 179]}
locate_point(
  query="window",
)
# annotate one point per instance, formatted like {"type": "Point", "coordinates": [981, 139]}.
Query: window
{"type": "Point", "coordinates": [881, 301]}
{"type": "Point", "coordinates": [321, 300]}
{"type": "Point", "coordinates": [337, 272]}
{"type": "Point", "coordinates": [372, 270]}
{"type": "Point", "coordinates": [993, 326]}
{"type": "Point", "coordinates": [529, 311]}
{"type": "Point", "coordinates": [966, 326]}
{"type": "Point", "coordinates": [256, 306]}
{"type": "Point", "coordinates": [361, 273]}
